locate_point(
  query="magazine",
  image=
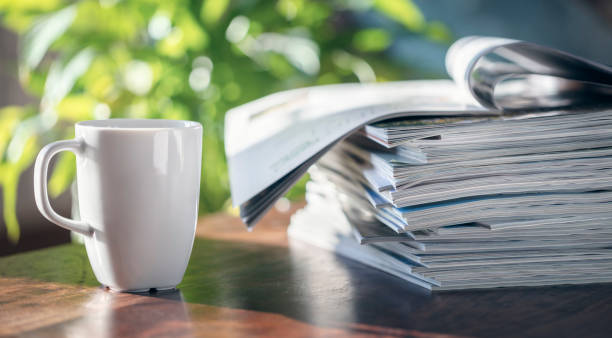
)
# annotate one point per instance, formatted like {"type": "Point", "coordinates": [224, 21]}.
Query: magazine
{"type": "Point", "coordinates": [271, 142]}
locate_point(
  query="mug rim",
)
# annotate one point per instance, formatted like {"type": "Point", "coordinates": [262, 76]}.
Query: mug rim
{"type": "Point", "coordinates": [138, 124]}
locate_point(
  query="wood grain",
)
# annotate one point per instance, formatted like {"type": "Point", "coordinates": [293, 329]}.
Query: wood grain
{"type": "Point", "coordinates": [241, 283]}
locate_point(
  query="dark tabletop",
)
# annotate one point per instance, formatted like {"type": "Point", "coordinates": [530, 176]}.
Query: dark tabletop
{"type": "Point", "coordinates": [258, 283]}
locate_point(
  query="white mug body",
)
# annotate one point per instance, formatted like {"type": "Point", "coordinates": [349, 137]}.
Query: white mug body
{"type": "Point", "coordinates": [138, 191]}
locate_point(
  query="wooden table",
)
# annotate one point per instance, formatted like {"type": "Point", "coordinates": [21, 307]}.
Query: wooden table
{"type": "Point", "coordinates": [241, 283]}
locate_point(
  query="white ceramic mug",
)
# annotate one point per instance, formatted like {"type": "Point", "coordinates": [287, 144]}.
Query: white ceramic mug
{"type": "Point", "coordinates": [138, 187]}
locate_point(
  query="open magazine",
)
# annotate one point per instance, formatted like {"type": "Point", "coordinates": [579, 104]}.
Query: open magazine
{"type": "Point", "coordinates": [271, 142]}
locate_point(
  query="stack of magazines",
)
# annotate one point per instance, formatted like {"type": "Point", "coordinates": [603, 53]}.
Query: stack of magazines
{"type": "Point", "coordinates": [502, 177]}
{"type": "Point", "coordinates": [473, 204]}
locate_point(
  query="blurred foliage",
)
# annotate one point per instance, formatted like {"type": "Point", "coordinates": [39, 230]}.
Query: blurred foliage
{"type": "Point", "coordinates": [184, 59]}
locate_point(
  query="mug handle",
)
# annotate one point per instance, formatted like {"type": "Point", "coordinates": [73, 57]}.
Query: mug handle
{"type": "Point", "coordinates": [40, 185]}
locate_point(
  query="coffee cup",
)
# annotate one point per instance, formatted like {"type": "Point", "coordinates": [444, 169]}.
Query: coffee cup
{"type": "Point", "coordinates": [138, 185]}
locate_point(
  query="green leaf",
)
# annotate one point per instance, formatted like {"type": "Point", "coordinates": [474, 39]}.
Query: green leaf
{"type": "Point", "coordinates": [63, 174]}
{"type": "Point", "coordinates": [9, 180]}
{"type": "Point", "coordinates": [76, 107]}
{"type": "Point", "coordinates": [9, 118]}
{"type": "Point", "coordinates": [104, 25]}
{"type": "Point", "coordinates": [194, 36]}
{"type": "Point", "coordinates": [372, 40]}
{"type": "Point", "coordinates": [358, 66]}
{"type": "Point", "coordinates": [28, 5]}
{"type": "Point", "coordinates": [289, 8]}
{"type": "Point", "coordinates": [402, 11]}
{"type": "Point", "coordinates": [44, 32]}
{"type": "Point", "coordinates": [299, 189]}
{"type": "Point", "coordinates": [61, 78]}
{"type": "Point", "coordinates": [212, 10]}
{"type": "Point", "coordinates": [438, 31]}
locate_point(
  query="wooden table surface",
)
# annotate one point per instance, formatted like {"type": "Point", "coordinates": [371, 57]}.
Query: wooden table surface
{"type": "Point", "coordinates": [240, 283]}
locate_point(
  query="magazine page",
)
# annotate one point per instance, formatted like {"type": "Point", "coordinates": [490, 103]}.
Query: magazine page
{"type": "Point", "coordinates": [268, 138]}
{"type": "Point", "coordinates": [510, 75]}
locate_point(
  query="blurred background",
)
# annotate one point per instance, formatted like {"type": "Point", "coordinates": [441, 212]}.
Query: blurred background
{"type": "Point", "coordinates": [66, 61]}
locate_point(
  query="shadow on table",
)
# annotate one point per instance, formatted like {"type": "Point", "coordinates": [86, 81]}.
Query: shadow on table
{"type": "Point", "coordinates": [317, 287]}
{"type": "Point", "coordinates": [300, 282]}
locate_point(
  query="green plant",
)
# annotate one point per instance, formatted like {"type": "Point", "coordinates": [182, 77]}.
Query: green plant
{"type": "Point", "coordinates": [185, 59]}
